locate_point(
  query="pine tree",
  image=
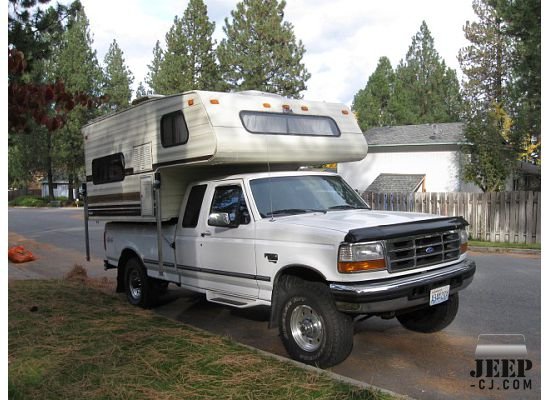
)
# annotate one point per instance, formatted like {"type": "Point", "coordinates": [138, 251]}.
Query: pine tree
{"type": "Point", "coordinates": [426, 91]}
{"type": "Point", "coordinates": [488, 123]}
{"type": "Point", "coordinates": [490, 159]}
{"type": "Point", "coordinates": [422, 89]}
{"type": "Point", "coordinates": [486, 61]}
{"type": "Point", "coordinates": [141, 91]}
{"type": "Point", "coordinates": [371, 104]}
{"type": "Point", "coordinates": [118, 78]}
{"type": "Point", "coordinates": [76, 64]}
{"type": "Point", "coordinates": [523, 26]}
{"type": "Point", "coordinates": [204, 72]}
{"type": "Point", "coordinates": [261, 51]}
{"type": "Point", "coordinates": [189, 60]}
{"type": "Point", "coordinates": [153, 78]}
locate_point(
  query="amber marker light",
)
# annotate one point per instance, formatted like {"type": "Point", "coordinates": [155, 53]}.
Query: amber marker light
{"type": "Point", "coordinates": [286, 107]}
{"type": "Point", "coordinates": [190, 102]}
{"type": "Point", "coordinates": [305, 108]}
{"type": "Point", "coordinates": [345, 112]}
{"type": "Point", "coordinates": [214, 101]}
{"type": "Point", "coordinates": [463, 241]}
{"type": "Point", "coordinates": [267, 105]}
{"type": "Point", "coordinates": [361, 266]}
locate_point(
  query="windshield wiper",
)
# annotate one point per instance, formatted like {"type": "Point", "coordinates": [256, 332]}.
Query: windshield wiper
{"type": "Point", "coordinates": [291, 211]}
{"type": "Point", "coordinates": [348, 207]}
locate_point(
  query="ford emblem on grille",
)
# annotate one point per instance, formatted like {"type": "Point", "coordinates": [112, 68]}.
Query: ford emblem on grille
{"type": "Point", "coordinates": [429, 250]}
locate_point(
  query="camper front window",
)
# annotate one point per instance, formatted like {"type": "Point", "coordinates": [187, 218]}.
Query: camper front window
{"type": "Point", "coordinates": [289, 124]}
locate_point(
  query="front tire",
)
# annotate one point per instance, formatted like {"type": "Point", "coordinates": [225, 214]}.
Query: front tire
{"type": "Point", "coordinates": [431, 319]}
{"type": "Point", "coordinates": [138, 286]}
{"type": "Point", "coordinates": [312, 330]}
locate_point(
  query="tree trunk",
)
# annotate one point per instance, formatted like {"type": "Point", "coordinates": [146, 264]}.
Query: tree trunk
{"type": "Point", "coordinates": [70, 196]}
{"type": "Point", "coordinates": [49, 168]}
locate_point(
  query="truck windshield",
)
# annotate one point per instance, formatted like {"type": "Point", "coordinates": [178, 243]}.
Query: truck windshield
{"type": "Point", "coordinates": [288, 195]}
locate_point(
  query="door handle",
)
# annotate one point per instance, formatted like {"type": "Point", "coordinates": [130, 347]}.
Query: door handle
{"type": "Point", "coordinates": [207, 233]}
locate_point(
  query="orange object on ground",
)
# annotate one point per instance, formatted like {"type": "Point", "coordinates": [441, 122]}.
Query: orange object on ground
{"type": "Point", "coordinates": [18, 254]}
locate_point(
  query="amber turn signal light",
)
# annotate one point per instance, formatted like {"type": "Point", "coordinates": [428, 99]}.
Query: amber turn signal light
{"type": "Point", "coordinates": [360, 266]}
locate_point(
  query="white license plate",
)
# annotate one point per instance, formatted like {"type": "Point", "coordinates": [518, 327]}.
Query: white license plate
{"type": "Point", "coordinates": [439, 295]}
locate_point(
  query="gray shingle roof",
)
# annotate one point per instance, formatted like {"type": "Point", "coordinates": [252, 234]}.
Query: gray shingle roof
{"type": "Point", "coordinates": [416, 134]}
{"type": "Point", "coordinates": [396, 183]}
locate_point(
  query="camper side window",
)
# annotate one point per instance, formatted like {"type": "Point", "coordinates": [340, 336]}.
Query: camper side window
{"type": "Point", "coordinates": [108, 169]}
{"type": "Point", "coordinates": [173, 130]}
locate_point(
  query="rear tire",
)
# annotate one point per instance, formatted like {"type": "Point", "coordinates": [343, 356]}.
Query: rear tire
{"type": "Point", "coordinates": [431, 319]}
{"type": "Point", "coordinates": [138, 286]}
{"type": "Point", "coordinates": [312, 330]}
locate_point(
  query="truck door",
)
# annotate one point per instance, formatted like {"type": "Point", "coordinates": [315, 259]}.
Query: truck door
{"type": "Point", "coordinates": [225, 256]}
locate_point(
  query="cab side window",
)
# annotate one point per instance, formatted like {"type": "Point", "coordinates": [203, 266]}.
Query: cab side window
{"type": "Point", "coordinates": [193, 208]}
{"type": "Point", "coordinates": [230, 199]}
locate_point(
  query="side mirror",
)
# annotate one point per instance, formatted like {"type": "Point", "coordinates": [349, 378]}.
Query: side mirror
{"type": "Point", "coordinates": [222, 220]}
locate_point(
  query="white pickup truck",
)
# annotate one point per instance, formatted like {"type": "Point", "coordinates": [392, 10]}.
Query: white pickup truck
{"type": "Point", "coordinates": [305, 244]}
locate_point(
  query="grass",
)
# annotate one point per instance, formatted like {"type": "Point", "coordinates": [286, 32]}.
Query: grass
{"type": "Point", "coordinates": [69, 340]}
{"type": "Point", "coordinates": [29, 201]}
{"type": "Point", "coordinates": [534, 246]}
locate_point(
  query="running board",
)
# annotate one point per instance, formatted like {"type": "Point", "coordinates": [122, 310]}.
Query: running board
{"type": "Point", "coordinates": [232, 301]}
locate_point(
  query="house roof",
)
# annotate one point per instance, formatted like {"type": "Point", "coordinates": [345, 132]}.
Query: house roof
{"type": "Point", "coordinates": [447, 133]}
{"type": "Point", "coordinates": [396, 183]}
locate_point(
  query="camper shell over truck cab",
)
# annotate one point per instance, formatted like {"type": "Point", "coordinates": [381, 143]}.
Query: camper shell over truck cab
{"type": "Point", "coordinates": [202, 189]}
{"type": "Point", "coordinates": [245, 131]}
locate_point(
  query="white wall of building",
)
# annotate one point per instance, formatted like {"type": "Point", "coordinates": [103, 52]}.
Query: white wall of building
{"type": "Point", "coordinates": [59, 190]}
{"type": "Point", "coordinates": [442, 169]}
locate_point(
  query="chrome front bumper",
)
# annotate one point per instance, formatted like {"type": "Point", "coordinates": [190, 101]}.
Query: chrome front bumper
{"type": "Point", "coordinates": [400, 293]}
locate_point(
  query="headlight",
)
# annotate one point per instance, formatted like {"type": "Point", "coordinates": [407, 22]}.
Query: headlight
{"type": "Point", "coordinates": [361, 257]}
{"type": "Point", "coordinates": [463, 241]}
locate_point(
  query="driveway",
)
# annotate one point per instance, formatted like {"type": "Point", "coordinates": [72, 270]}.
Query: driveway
{"type": "Point", "coordinates": [503, 299]}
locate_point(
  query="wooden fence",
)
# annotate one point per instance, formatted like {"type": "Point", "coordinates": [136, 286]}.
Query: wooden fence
{"type": "Point", "coordinates": [497, 217]}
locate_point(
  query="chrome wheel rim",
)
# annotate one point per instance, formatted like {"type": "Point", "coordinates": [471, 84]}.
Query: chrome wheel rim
{"type": "Point", "coordinates": [135, 284]}
{"type": "Point", "coordinates": [306, 327]}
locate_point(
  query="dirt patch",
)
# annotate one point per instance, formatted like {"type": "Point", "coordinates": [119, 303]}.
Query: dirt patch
{"type": "Point", "coordinates": [77, 274]}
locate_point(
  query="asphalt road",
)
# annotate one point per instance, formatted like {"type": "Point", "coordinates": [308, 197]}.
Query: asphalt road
{"type": "Point", "coordinates": [505, 298]}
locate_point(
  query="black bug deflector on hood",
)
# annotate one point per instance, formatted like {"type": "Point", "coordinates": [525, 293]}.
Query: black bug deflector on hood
{"type": "Point", "coordinates": [405, 229]}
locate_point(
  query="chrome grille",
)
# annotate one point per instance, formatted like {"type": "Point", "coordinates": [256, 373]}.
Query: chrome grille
{"type": "Point", "coordinates": [422, 250]}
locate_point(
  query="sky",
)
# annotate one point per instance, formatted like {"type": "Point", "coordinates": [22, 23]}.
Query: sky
{"type": "Point", "coordinates": [343, 39]}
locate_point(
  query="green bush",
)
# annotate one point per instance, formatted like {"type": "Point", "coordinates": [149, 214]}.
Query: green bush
{"type": "Point", "coordinates": [29, 201]}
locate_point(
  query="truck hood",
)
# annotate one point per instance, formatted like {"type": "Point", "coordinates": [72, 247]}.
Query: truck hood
{"type": "Point", "coordinates": [347, 220]}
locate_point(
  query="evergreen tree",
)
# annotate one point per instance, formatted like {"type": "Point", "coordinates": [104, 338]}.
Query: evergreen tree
{"type": "Point", "coordinates": [426, 91]}
{"type": "Point", "coordinates": [141, 91]}
{"type": "Point", "coordinates": [371, 104]}
{"type": "Point", "coordinates": [189, 60]}
{"type": "Point", "coordinates": [153, 78]}
{"type": "Point", "coordinates": [118, 79]}
{"type": "Point", "coordinates": [422, 89]}
{"type": "Point", "coordinates": [27, 157]}
{"type": "Point", "coordinates": [488, 125]}
{"type": "Point", "coordinates": [491, 160]}
{"type": "Point", "coordinates": [77, 65]}
{"type": "Point", "coordinates": [523, 25]}
{"type": "Point", "coordinates": [261, 51]}
{"type": "Point", "coordinates": [486, 61]}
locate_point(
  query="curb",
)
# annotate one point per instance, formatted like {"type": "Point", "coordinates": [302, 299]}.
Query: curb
{"type": "Point", "coordinates": [504, 250]}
